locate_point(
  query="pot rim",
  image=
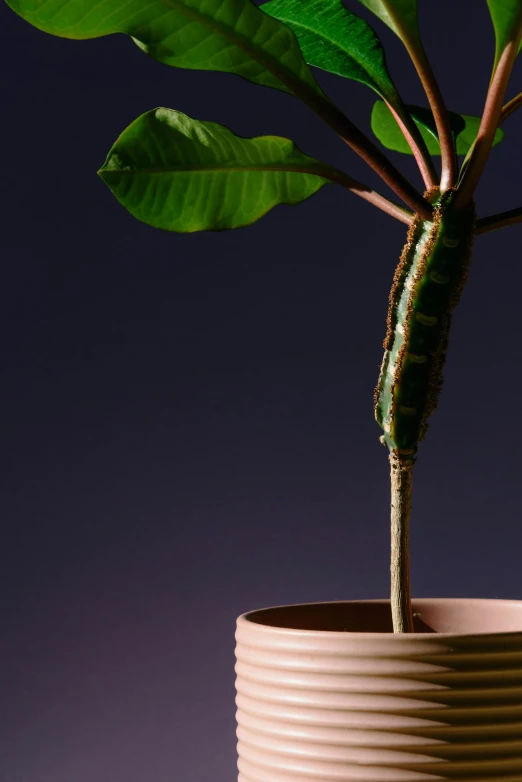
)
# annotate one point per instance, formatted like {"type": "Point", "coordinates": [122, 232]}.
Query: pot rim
{"type": "Point", "coordinates": [244, 621]}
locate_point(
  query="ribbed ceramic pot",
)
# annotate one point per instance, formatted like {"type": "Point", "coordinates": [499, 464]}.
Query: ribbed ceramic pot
{"type": "Point", "coordinates": [326, 692]}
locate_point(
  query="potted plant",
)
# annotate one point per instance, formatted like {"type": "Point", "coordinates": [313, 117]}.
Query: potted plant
{"type": "Point", "coordinates": [357, 690]}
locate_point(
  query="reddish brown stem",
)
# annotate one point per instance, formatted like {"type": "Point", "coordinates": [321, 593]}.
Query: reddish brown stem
{"type": "Point", "coordinates": [511, 106]}
{"type": "Point", "coordinates": [363, 191]}
{"type": "Point", "coordinates": [369, 152]}
{"type": "Point", "coordinates": [418, 147]}
{"type": "Point", "coordinates": [440, 115]}
{"type": "Point", "coordinates": [488, 125]}
{"type": "Point", "coordinates": [498, 221]}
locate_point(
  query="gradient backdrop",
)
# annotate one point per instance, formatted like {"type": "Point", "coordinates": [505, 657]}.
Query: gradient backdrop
{"type": "Point", "coordinates": [186, 421]}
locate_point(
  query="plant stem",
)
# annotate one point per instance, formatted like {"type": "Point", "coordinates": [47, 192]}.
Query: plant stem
{"type": "Point", "coordinates": [498, 221]}
{"type": "Point", "coordinates": [401, 482]}
{"type": "Point", "coordinates": [488, 126]}
{"type": "Point", "coordinates": [440, 115]}
{"type": "Point", "coordinates": [510, 107]}
{"type": "Point", "coordinates": [321, 105]}
{"type": "Point", "coordinates": [417, 145]}
{"type": "Point", "coordinates": [338, 177]}
{"type": "Point", "coordinates": [363, 191]}
{"type": "Point", "coordinates": [360, 143]}
{"type": "Point", "coordinates": [369, 152]}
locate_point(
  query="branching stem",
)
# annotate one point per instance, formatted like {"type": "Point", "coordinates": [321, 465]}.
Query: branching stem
{"type": "Point", "coordinates": [355, 138]}
{"type": "Point", "coordinates": [418, 147]}
{"type": "Point", "coordinates": [510, 107]}
{"type": "Point", "coordinates": [498, 221]}
{"type": "Point", "coordinates": [359, 142]}
{"type": "Point", "coordinates": [363, 191]}
{"type": "Point", "coordinates": [401, 483]}
{"type": "Point", "coordinates": [370, 153]}
{"type": "Point", "coordinates": [489, 124]}
{"type": "Point", "coordinates": [440, 115]}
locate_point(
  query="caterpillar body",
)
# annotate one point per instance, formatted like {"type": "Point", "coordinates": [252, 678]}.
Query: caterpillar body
{"type": "Point", "coordinates": [427, 285]}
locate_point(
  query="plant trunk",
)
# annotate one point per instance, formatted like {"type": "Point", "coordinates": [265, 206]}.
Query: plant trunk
{"type": "Point", "coordinates": [401, 480]}
{"type": "Point", "coordinates": [426, 287]}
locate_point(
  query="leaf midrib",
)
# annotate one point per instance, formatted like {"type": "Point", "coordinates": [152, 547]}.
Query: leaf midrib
{"type": "Point", "coordinates": [311, 30]}
{"type": "Point", "coordinates": [222, 169]}
{"type": "Point", "coordinates": [321, 35]}
{"type": "Point", "coordinates": [232, 35]}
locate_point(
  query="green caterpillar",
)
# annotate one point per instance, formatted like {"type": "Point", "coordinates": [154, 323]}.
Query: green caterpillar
{"type": "Point", "coordinates": [427, 285]}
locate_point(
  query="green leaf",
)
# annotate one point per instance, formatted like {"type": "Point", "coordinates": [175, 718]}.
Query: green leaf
{"type": "Point", "coordinates": [464, 126]}
{"type": "Point", "coordinates": [399, 15]}
{"type": "Point", "coordinates": [338, 41]}
{"type": "Point", "coordinates": [506, 16]}
{"type": "Point", "coordinates": [179, 174]}
{"type": "Point", "coordinates": [219, 35]}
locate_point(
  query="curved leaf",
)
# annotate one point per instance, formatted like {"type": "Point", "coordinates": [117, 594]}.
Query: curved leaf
{"type": "Point", "coordinates": [338, 41]}
{"type": "Point", "coordinates": [464, 126]}
{"type": "Point", "coordinates": [506, 16]}
{"type": "Point", "coordinates": [219, 35]}
{"type": "Point", "coordinates": [399, 15]}
{"type": "Point", "coordinates": [179, 174]}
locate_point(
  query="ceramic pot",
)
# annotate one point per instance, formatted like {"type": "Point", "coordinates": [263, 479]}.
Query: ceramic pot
{"type": "Point", "coordinates": [326, 692]}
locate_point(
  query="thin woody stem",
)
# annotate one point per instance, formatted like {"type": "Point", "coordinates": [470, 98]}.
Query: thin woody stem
{"type": "Point", "coordinates": [418, 147]}
{"type": "Point", "coordinates": [360, 143]}
{"type": "Point", "coordinates": [488, 125]}
{"type": "Point", "coordinates": [370, 153]}
{"type": "Point", "coordinates": [510, 107]}
{"type": "Point", "coordinates": [363, 191]}
{"type": "Point", "coordinates": [321, 105]}
{"type": "Point", "coordinates": [440, 115]}
{"type": "Point", "coordinates": [512, 216]}
{"type": "Point", "coordinates": [498, 221]}
{"type": "Point", "coordinates": [401, 484]}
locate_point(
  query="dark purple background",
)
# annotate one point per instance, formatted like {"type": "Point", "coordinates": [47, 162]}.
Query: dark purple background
{"type": "Point", "coordinates": [186, 421]}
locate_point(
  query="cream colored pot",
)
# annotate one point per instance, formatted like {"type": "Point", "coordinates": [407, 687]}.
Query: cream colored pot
{"type": "Point", "coordinates": [326, 692]}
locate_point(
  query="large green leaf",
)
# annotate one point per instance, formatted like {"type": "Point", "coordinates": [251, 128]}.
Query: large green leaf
{"type": "Point", "coordinates": [335, 39]}
{"type": "Point", "coordinates": [179, 174]}
{"type": "Point", "coordinates": [219, 35]}
{"type": "Point", "coordinates": [399, 15]}
{"type": "Point", "coordinates": [506, 16]}
{"type": "Point", "coordinates": [464, 126]}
